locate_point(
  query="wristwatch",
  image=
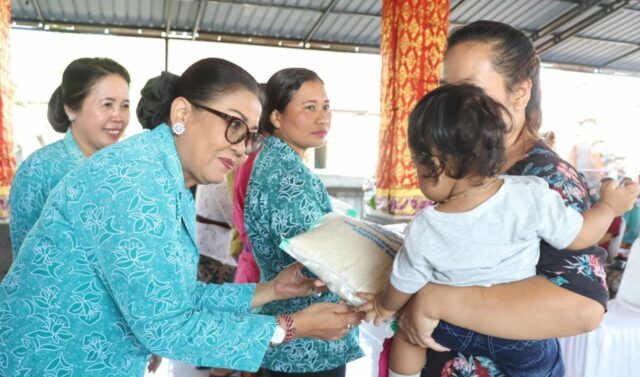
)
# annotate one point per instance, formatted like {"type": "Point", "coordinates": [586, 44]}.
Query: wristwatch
{"type": "Point", "coordinates": [278, 335]}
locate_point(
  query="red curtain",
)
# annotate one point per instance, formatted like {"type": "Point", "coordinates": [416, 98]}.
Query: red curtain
{"type": "Point", "coordinates": [7, 162]}
{"type": "Point", "coordinates": [414, 34]}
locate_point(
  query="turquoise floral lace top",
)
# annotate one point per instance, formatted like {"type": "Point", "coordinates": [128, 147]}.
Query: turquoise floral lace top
{"type": "Point", "coordinates": [35, 178]}
{"type": "Point", "coordinates": [283, 199]}
{"type": "Point", "coordinates": [107, 276]}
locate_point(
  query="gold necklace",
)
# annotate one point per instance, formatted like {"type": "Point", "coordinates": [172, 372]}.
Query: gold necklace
{"type": "Point", "coordinates": [469, 192]}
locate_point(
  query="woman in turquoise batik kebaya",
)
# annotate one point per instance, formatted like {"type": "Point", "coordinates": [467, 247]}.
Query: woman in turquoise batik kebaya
{"type": "Point", "coordinates": [91, 107]}
{"type": "Point", "coordinates": [107, 275]}
{"type": "Point", "coordinates": [284, 198]}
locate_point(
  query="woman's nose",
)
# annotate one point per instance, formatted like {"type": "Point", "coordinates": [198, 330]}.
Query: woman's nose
{"type": "Point", "coordinates": [120, 114]}
{"type": "Point", "coordinates": [238, 149]}
{"type": "Point", "coordinates": [324, 117]}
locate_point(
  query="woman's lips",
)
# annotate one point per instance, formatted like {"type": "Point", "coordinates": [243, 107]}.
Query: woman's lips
{"type": "Point", "coordinates": [113, 131]}
{"type": "Point", "coordinates": [226, 162]}
{"type": "Point", "coordinates": [319, 133]}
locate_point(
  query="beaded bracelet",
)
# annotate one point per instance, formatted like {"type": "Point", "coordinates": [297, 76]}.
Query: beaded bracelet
{"type": "Point", "coordinates": [290, 328]}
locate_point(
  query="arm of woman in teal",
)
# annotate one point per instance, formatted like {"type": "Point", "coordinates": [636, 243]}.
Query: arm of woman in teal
{"type": "Point", "coordinates": [148, 263]}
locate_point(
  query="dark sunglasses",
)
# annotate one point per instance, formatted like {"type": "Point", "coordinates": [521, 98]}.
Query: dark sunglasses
{"type": "Point", "coordinates": [237, 130]}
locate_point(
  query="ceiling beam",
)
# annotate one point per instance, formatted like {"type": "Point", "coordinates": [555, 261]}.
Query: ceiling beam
{"type": "Point", "coordinates": [608, 40]}
{"type": "Point", "coordinates": [199, 14]}
{"type": "Point", "coordinates": [620, 57]}
{"type": "Point", "coordinates": [604, 11]}
{"type": "Point", "coordinates": [169, 8]}
{"type": "Point", "coordinates": [320, 21]}
{"type": "Point", "coordinates": [250, 3]}
{"type": "Point", "coordinates": [159, 32]}
{"type": "Point", "coordinates": [456, 6]}
{"type": "Point", "coordinates": [36, 6]}
{"type": "Point", "coordinates": [562, 20]}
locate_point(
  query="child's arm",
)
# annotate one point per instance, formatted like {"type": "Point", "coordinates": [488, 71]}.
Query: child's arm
{"type": "Point", "coordinates": [391, 300]}
{"type": "Point", "coordinates": [614, 201]}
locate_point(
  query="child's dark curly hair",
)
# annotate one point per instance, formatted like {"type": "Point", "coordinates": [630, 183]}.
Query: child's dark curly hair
{"type": "Point", "coordinates": [458, 130]}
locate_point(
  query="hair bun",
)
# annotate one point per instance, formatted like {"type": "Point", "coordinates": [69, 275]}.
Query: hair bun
{"type": "Point", "coordinates": [55, 112]}
{"type": "Point", "coordinates": [156, 98]}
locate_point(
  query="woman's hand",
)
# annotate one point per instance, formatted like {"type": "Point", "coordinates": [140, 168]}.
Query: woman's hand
{"type": "Point", "coordinates": [418, 330]}
{"type": "Point", "coordinates": [289, 283]}
{"type": "Point", "coordinates": [417, 325]}
{"type": "Point", "coordinates": [326, 321]}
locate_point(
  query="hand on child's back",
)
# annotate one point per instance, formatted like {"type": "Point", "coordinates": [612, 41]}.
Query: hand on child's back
{"type": "Point", "coordinates": [619, 197]}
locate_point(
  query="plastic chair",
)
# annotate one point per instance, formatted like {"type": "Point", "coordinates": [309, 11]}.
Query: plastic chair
{"type": "Point", "coordinates": [629, 292]}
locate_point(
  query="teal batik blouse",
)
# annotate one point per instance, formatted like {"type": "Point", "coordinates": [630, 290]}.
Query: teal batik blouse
{"type": "Point", "coordinates": [36, 177]}
{"type": "Point", "coordinates": [107, 276]}
{"type": "Point", "coordinates": [283, 199]}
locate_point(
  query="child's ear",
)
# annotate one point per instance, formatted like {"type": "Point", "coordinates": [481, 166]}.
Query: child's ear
{"type": "Point", "coordinates": [520, 96]}
{"type": "Point", "coordinates": [439, 166]}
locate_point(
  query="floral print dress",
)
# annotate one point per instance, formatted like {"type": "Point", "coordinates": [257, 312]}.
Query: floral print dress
{"type": "Point", "coordinates": [107, 276]}
{"type": "Point", "coordinates": [284, 198]}
{"type": "Point", "coordinates": [35, 178]}
{"type": "Point", "coordinates": [580, 272]}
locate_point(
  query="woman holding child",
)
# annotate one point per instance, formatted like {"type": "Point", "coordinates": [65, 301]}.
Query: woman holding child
{"type": "Point", "coordinates": [569, 294]}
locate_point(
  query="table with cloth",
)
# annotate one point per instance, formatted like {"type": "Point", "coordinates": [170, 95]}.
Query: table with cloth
{"type": "Point", "coordinates": [613, 349]}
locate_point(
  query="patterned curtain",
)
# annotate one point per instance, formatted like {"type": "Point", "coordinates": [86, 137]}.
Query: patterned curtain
{"type": "Point", "coordinates": [414, 35]}
{"type": "Point", "coordinates": [7, 163]}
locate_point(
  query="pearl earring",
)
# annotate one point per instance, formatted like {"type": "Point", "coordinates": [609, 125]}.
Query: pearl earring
{"type": "Point", "coordinates": [178, 128]}
{"type": "Point", "coordinates": [71, 117]}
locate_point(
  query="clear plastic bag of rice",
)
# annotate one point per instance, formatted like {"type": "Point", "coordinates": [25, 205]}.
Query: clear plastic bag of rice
{"type": "Point", "coordinates": [348, 254]}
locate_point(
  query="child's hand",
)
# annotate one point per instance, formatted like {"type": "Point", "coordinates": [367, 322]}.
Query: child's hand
{"type": "Point", "coordinates": [619, 198]}
{"type": "Point", "coordinates": [373, 309]}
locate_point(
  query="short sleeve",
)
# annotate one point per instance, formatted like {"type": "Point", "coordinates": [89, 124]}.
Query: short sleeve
{"type": "Point", "coordinates": [559, 225]}
{"type": "Point", "coordinates": [411, 270]}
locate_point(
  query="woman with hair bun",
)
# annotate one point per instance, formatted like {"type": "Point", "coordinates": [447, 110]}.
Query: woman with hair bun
{"type": "Point", "coordinates": [91, 107]}
{"type": "Point", "coordinates": [107, 275]}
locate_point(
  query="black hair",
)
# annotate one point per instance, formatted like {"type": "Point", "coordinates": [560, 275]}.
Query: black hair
{"type": "Point", "coordinates": [204, 81]}
{"type": "Point", "coordinates": [280, 89]}
{"type": "Point", "coordinates": [77, 80]}
{"type": "Point", "coordinates": [513, 56]}
{"type": "Point", "coordinates": [458, 130]}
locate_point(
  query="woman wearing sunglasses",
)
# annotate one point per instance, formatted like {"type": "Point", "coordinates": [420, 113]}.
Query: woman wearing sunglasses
{"type": "Point", "coordinates": [284, 198]}
{"type": "Point", "coordinates": [112, 260]}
